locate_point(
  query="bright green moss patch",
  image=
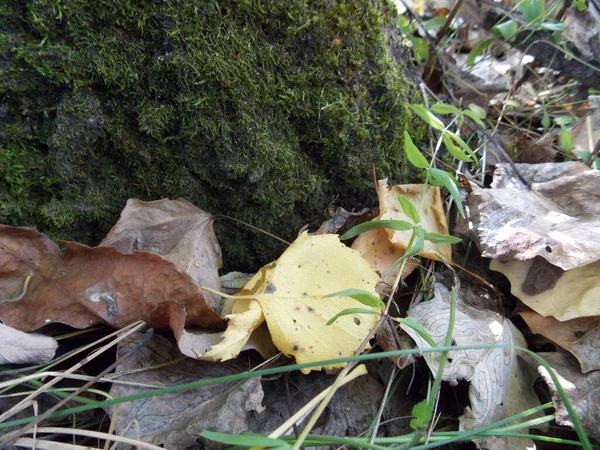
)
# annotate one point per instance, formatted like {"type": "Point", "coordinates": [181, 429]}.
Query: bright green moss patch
{"type": "Point", "coordinates": [268, 111]}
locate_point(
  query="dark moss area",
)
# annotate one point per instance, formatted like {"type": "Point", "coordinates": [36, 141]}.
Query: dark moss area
{"type": "Point", "coordinates": [268, 111]}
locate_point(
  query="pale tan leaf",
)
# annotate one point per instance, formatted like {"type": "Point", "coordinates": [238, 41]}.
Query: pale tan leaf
{"type": "Point", "coordinates": [17, 347]}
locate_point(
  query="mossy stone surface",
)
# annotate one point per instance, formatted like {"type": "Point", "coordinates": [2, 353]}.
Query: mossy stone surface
{"type": "Point", "coordinates": [268, 111]}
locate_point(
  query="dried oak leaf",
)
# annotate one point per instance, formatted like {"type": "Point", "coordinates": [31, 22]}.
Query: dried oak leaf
{"type": "Point", "coordinates": [580, 337]}
{"type": "Point", "coordinates": [175, 229]}
{"type": "Point", "coordinates": [511, 223]}
{"type": "Point", "coordinates": [583, 390]}
{"type": "Point", "coordinates": [84, 286]}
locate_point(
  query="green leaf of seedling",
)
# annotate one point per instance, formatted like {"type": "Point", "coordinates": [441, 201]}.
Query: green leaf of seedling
{"type": "Point", "coordinates": [532, 10]}
{"type": "Point", "coordinates": [349, 311]}
{"type": "Point", "coordinates": [244, 440]}
{"type": "Point", "coordinates": [365, 297]}
{"type": "Point", "coordinates": [422, 413]}
{"type": "Point", "coordinates": [553, 25]}
{"type": "Point", "coordinates": [545, 120]}
{"type": "Point", "coordinates": [420, 48]}
{"type": "Point", "coordinates": [443, 108]}
{"type": "Point", "coordinates": [477, 50]}
{"type": "Point", "coordinates": [398, 225]}
{"type": "Point", "coordinates": [434, 24]}
{"type": "Point", "coordinates": [474, 117]}
{"type": "Point", "coordinates": [418, 243]}
{"type": "Point", "coordinates": [564, 121]}
{"type": "Point", "coordinates": [442, 178]}
{"type": "Point", "coordinates": [427, 116]}
{"type": "Point", "coordinates": [508, 30]}
{"type": "Point", "coordinates": [419, 329]}
{"type": "Point", "coordinates": [454, 150]}
{"type": "Point", "coordinates": [566, 139]}
{"type": "Point", "coordinates": [462, 144]}
{"type": "Point", "coordinates": [409, 209]}
{"type": "Point", "coordinates": [437, 238]}
{"type": "Point", "coordinates": [413, 154]}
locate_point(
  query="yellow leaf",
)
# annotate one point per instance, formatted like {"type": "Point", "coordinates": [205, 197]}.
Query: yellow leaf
{"type": "Point", "coordinates": [291, 296]}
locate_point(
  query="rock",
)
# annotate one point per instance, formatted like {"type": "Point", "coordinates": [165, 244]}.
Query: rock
{"type": "Point", "coordinates": [267, 111]}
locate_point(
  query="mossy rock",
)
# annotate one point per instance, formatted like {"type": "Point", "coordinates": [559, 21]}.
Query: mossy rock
{"type": "Point", "coordinates": [268, 111]}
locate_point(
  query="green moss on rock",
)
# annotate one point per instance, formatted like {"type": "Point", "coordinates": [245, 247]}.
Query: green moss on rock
{"type": "Point", "coordinates": [268, 111]}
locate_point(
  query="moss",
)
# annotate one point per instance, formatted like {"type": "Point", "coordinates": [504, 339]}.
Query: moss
{"type": "Point", "coordinates": [267, 111]}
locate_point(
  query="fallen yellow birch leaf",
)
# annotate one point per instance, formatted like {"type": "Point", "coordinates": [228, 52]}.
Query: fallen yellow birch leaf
{"type": "Point", "coordinates": [289, 294]}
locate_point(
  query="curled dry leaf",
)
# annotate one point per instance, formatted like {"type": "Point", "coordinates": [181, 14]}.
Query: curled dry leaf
{"type": "Point", "coordinates": [583, 390]}
{"type": "Point", "coordinates": [500, 385]}
{"type": "Point", "coordinates": [17, 347]}
{"type": "Point", "coordinates": [580, 337]}
{"type": "Point", "coordinates": [290, 295]}
{"type": "Point", "coordinates": [516, 224]}
{"type": "Point", "coordinates": [383, 247]}
{"type": "Point", "coordinates": [84, 286]}
{"type": "Point", "coordinates": [433, 218]}
{"type": "Point", "coordinates": [176, 230]}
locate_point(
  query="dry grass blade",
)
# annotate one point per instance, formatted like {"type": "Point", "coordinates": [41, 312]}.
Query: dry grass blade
{"type": "Point", "coordinates": [121, 334]}
{"type": "Point", "coordinates": [84, 433]}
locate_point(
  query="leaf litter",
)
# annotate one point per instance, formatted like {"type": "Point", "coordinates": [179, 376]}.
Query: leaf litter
{"type": "Point", "coordinates": [282, 307]}
{"type": "Point", "coordinates": [512, 223]}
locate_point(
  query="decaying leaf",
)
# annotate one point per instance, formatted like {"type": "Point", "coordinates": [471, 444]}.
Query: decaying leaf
{"type": "Point", "coordinates": [289, 294]}
{"type": "Point", "coordinates": [17, 347]}
{"type": "Point", "coordinates": [171, 420]}
{"type": "Point", "coordinates": [583, 390]}
{"type": "Point", "coordinates": [516, 224]}
{"type": "Point", "coordinates": [84, 286]}
{"type": "Point", "coordinates": [500, 385]}
{"type": "Point", "coordinates": [574, 294]}
{"type": "Point", "coordinates": [579, 337]}
{"type": "Point", "coordinates": [176, 230]}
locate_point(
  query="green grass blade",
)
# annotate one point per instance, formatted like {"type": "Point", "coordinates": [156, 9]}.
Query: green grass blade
{"type": "Point", "coordinates": [349, 311]}
{"type": "Point", "coordinates": [365, 297]}
{"type": "Point", "coordinates": [398, 225]}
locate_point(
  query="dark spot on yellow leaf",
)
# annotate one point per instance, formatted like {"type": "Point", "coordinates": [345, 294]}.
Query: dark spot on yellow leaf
{"type": "Point", "coordinates": [310, 309]}
{"type": "Point", "coordinates": [295, 348]}
{"type": "Point", "coordinates": [357, 321]}
{"type": "Point", "coordinates": [270, 288]}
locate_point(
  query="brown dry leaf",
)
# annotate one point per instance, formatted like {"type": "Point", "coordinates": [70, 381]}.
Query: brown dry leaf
{"type": "Point", "coordinates": [578, 336]}
{"type": "Point", "coordinates": [84, 286]}
{"type": "Point", "coordinates": [500, 385]}
{"type": "Point", "coordinates": [176, 230]}
{"type": "Point", "coordinates": [583, 390]}
{"type": "Point", "coordinates": [174, 420]}
{"type": "Point", "coordinates": [17, 347]}
{"type": "Point", "coordinates": [170, 420]}
{"type": "Point", "coordinates": [515, 224]}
